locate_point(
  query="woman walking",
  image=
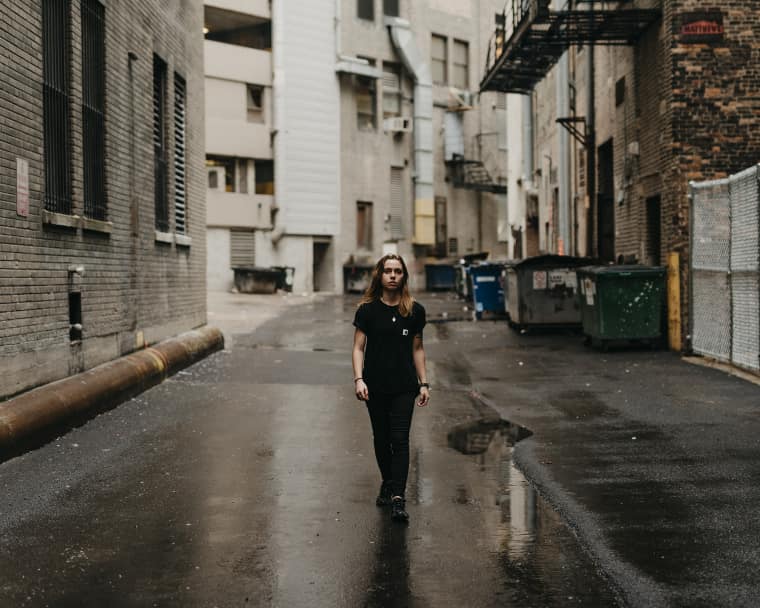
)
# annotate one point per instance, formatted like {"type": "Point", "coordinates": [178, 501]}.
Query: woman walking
{"type": "Point", "coordinates": [389, 372]}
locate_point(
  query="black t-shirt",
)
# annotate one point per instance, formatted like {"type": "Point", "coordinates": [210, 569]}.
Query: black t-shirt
{"type": "Point", "coordinates": [388, 362]}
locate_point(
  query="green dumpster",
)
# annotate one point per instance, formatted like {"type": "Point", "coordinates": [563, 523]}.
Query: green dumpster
{"type": "Point", "coordinates": [622, 303]}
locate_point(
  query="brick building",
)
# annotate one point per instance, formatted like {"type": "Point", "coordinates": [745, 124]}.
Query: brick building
{"type": "Point", "coordinates": [656, 93]}
{"type": "Point", "coordinates": [102, 245]}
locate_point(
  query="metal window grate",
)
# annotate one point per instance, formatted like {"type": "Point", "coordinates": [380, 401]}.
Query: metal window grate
{"type": "Point", "coordinates": [56, 106]}
{"type": "Point", "coordinates": [159, 144]}
{"type": "Point", "coordinates": [180, 108]}
{"type": "Point", "coordinates": [242, 248]}
{"type": "Point", "coordinates": [93, 108]}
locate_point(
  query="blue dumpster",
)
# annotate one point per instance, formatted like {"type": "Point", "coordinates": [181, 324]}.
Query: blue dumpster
{"type": "Point", "coordinates": [487, 291]}
{"type": "Point", "coordinates": [440, 277]}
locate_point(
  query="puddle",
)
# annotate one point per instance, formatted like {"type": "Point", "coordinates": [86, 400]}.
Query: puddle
{"type": "Point", "coordinates": [539, 559]}
{"type": "Point", "coordinates": [476, 437]}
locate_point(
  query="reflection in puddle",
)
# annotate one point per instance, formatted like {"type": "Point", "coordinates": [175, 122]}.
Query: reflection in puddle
{"type": "Point", "coordinates": [492, 440]}
{"type": "Point", "coordinates": [539, 559]}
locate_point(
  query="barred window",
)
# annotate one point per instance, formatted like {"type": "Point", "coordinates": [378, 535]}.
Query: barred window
{"type": "Point", "coordinates": [180, 109]}
{"type": "Point", "coordinates": [55, 112]}
{"type": "Point", "coordinates": [93, 108]}
{"type": "Point", "coordinates": [159, 144]}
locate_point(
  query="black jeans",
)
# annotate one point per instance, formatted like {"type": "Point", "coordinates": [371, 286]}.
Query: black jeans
{"type": "Point", "coordinates": [391, 417]}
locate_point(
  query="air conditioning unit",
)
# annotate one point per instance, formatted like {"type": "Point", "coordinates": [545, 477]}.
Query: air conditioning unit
{"type": "Point", "coordinates": [397, 124]}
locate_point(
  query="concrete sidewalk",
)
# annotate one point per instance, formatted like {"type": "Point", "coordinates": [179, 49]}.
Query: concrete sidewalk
{"type": "Point", "coordinates": [654, 462]}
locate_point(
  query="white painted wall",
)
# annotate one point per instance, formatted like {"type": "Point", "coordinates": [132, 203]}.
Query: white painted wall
{"type": "Point", "coordinates": [219, 275]}
{"type": "Point", "coordinates": [234, 62]}
{"type": "Point", "coordinates": [307, 170]}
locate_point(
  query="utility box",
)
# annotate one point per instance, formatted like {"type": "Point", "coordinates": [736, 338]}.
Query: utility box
{"type": "Point", "coordinates": [542, 291]}
{"type": "Point", "coordinates": [622, 303]}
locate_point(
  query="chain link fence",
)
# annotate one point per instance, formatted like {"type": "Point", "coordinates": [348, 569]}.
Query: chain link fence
{"type": "Point", "coordinates": [725, 268]}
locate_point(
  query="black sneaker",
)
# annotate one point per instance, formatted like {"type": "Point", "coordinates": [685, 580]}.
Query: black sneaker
{"type": "Point", "coordinates": [384, 497]}
{"type": "Point", "coordinates": [398, 510]}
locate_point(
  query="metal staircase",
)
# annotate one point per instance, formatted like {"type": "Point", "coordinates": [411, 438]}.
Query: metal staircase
{"type": "Point", "coordinates": [473, 175]}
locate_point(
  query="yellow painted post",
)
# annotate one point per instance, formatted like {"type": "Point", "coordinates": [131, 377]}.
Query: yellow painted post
{"type": "Point", "coordinates": [674, 301]}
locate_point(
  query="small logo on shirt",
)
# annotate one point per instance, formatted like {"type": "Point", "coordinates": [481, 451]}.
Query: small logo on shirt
{"type": "Point", "coordinates": [405, 332]}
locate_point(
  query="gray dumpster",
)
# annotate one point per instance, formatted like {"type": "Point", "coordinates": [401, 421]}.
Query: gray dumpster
{"type": "Point", "coordinates": [541, 291]}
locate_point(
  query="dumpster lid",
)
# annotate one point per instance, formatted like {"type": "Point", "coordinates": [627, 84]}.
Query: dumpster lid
{"type": "Point", "coordinates": [623, 269]}
{"type": "Point", "coordinates": [552, 260]}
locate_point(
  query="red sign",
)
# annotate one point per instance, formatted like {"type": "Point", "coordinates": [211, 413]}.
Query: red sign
{"type": "Point", "coordinates": [702, 27]}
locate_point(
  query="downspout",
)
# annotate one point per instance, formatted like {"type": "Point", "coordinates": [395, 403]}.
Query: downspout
{"type": "Point", "coordinates": [278, 230]}
{"type": "Point", "coordinates": [424, 210]}
{"type": "Point", "coordinates": [563, 109]}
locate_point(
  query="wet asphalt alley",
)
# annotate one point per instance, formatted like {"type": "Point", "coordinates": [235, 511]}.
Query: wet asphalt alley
{"type": "Point", "coordinates": [249, 480]}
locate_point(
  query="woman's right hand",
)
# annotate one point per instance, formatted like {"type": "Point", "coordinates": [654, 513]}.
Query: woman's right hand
{"type": "Point", "coordinates": [362, 393]}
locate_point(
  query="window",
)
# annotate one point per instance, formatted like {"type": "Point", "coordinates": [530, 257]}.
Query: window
{"type": "Point", "coordinates": [93, 108]}
{"type": "Point", "coordinates": [390, 8]}
{"type": "Point", "coordinates": [366, 102]}
{"type": "Point", "coordinates": [363, 225]}
{"type": "Point", "coordinates": [159, 144]}
{"type": "Point", "coordinates": [241, 29]}
{"type": "Point", "coordinates": [439, 59]}
{"type": "Point", "coordinates": [55, 113]}
{"type": "Point", "coordinates": [460, 76]}
{"type": "Point", "coordinates": [233, 173]}
{"type": "Point", "coordinates": [264, 177]}
{"type": "Point", "coordinates": [620, 92]}
{"type": "Point", "coordinates": [397, 203]}
{"type": "Point", "coordinates": [365, 9]}
{"type": "Point", "coordinates": [391, 90]}
{"type": "Point", "coordinates": [255, 103]}
{"type": "Point", "coordinates": [180, 124]}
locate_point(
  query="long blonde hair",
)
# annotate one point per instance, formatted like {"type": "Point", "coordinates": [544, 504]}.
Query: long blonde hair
{"type": "Point", "coordinates": [375, 290]}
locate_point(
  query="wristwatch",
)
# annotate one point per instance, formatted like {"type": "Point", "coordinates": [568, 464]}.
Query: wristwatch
{"type": "Point", "coordinates": [424, 385]}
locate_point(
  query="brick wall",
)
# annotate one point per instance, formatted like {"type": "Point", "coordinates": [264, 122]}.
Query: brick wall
{"type": "Point", "coordinates": [714, 112]}
{"type": "Point", "coordinates": [132, 285]}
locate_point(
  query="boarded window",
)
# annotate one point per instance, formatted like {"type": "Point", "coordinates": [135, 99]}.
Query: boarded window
{"type": "Point", "coordinates": [397, 203]}
{"type": "Point", "coordinates": [460, 71]}
{"type": "Point", "coordinates": [365, 9]}
{"type": "Point", "coordinates": [364, 225]}
{"type": "Point", "coordinates": [93, 108]}
{"type": "Point", "coordinates": [180, 197]}
{"type": "Point", "coordinates": [242, 248]}
{"type": "Point", "coordinates": [391, 89]}
{"type": "Point", "coordinates": [55, 113]}
{"type": "Point", "coordinates": [439, 59]}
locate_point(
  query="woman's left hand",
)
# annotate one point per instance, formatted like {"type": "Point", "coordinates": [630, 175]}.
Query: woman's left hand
{"type": "Point", "coordinates": [424, 396]}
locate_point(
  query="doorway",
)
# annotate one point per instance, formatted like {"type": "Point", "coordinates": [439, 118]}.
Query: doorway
{"type": "Point", "coordinates": [321, 267]}
{"type": "Point", "coordinates": [605, 225]}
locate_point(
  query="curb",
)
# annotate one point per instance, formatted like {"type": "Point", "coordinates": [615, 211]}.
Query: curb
{"type": "Point", "coordinates": [34, 417]}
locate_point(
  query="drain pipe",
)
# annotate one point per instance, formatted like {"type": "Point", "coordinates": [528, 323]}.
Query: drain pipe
{"type": "Point", "coordinates": [563, 109]}
{"type": "Point", "coordinates": [424, 211]}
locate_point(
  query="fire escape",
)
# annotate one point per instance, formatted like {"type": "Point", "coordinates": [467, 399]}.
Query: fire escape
{"type": "Point", "coordinates": [473, 175]}
{"type": "Point", "coordinates": [540, 36]}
